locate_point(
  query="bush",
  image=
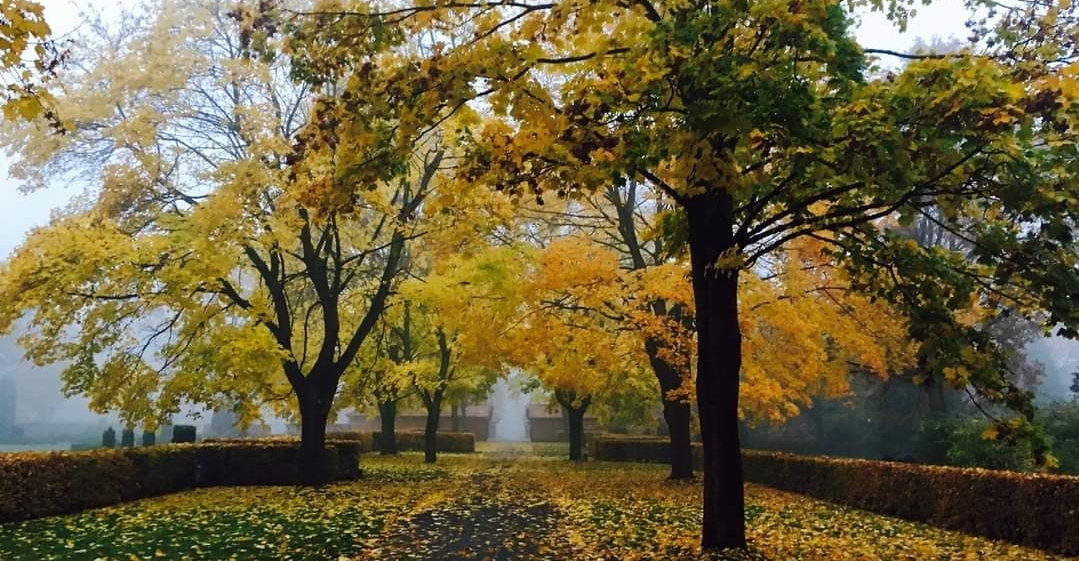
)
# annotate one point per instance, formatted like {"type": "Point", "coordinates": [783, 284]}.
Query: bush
{"type": "Point", "coordinates": [108, 438]}
{"type": "Point", "coordinates": [365, 439]}
{"type": "Point", "coordinates": [36, 484]}
{"type": "Point", "coordinates": [183, 433]}
{"type": "Point", "coordinates": [1061, 420]}
{"type": "Point", "coordinates": [959, 442]}
{"type": "Point", "coordinates": [1028, 509]}
{"type": "Point", "coordinates": [638, 449]}
{"type": "Point", "coordinates": [459, 442]}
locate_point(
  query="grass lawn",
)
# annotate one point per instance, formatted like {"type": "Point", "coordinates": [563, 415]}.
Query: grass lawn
{"type": "Point", "coordinates": [494, 505]}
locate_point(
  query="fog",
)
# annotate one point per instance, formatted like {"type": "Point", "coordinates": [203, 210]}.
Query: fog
{"type": "Point", "coordinates": [38, 388]}
{"type": "Point", "coordinates": [1060, 357]}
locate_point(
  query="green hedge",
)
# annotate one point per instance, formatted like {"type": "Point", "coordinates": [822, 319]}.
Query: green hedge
{"type": "Point", "coordinates": [1027, 509]}
{"type": "Point", "coordinates": [446, 441]}
{"type": "Point", "coordinates": [35, 484]}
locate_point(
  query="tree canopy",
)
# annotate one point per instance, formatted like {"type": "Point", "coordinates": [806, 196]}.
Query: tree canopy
{"type": "Point", "coordinates": [765, 122]}
{"type": "Point", "coordinates": [256, 179]}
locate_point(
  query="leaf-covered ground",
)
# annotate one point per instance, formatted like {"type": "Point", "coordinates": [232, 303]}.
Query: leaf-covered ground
{"type": "Point", "coordinates": [496, 506]}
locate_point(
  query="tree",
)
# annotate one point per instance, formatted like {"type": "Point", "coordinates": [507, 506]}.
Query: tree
{"type": "Point", "coordinates": [629, 219]}
{"type": "Point", "coordinates": [8, 404]}
{"type": "Point", "coordinates": [759, 121]}
{"type": "Point", "coordinates": [807, 329]}
{"type": "Point", "coordinates": [210, 260]}
{"type": "Point", "coordinates": [27, 57]}
{"type": "Point", "coordinates": [571, 339]}
{"type": "Point", "coordinates": [456, 308]}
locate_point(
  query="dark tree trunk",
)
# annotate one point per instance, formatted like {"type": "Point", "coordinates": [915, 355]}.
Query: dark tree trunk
{"type": "Point", "coordinates": [719, 360]}
{"type": "Point", "coordinates": [430, 429]}
{"type": "Point", "coordinates": [387, 412]}
{"type": "Point", "coordinates": [574, 413]}
{"type": "Point", "coordinates": [314, 411]}
{"type": "Point", "coordinates": [677, 415]}
{"type": "Point", "coordinates": [455, 419]}
{"type": "Point", "coordinates": [576, 433]}
{"type": "Point", "coordinates": [676, 412]}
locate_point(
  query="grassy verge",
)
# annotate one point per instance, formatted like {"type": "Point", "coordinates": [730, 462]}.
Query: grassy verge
{"type": "Point", "coordinates": [593, 510]}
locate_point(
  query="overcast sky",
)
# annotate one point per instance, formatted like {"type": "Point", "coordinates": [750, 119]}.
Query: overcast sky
{"type": "Point", "coordinates": [19, 212]}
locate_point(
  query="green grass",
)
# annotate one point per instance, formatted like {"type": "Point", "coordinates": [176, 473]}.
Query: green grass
{"type": "Point", "coordinates": [497, 505]}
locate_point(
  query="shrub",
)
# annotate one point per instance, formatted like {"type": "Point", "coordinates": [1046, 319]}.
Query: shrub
{"type": "Point", "coordinates": [127, 438]}
{"type": "Point", "coordinates": [148, 438]}
{"type": "Point", "coordinates": [108, 438]}
{"type": "Point", "coordinates": [637, 449]}
{"type": "Point", "coordinates": [365, 439]}
{"type": "Point", "coordinates": [459, 442]}
{"type": "Point", "coordinates": [1061, 420]}
{"type": "Point", "coordinates": [36, 484]}
{"type": "Point", "coordinates": [1027, 509]}
{"type": "Point", "coordinates": [183, 433]}
{"type": "Point", "coordinates": [959, 442]}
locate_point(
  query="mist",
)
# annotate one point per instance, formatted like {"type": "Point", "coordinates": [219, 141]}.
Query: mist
{"type": "Point", "coordinates": [1060, 357]}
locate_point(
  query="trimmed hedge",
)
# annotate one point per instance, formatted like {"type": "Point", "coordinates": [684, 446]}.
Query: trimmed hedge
{"type": "Point", "coordinates": [647, 449]}
{"type": "Point", "coordinates": [1028, 509]}
{"type": "Point", "coordinates": [35, 484]}
{"type": "Point", "coordinates": [363, 440]}
{"type": "Point", "coordinates": [412, 440]}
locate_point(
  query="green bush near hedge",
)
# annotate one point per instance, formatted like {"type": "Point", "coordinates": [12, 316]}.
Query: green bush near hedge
{"type": "Point", "coordinates": [1027, 509]}
{"type": "Point", "coordinates": [35, 484]}
{"type": "Point", "coordinates": [446, 441]}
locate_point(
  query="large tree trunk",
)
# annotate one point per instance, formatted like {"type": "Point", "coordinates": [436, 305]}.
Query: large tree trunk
{"type": "Point", "coordinates": [314, 412]}
{"type": "Point", "coordinates": [430, 429]}
{"type": "Point", "coordinates": [676, 412]}
{"type": "Point", "coordinates": [719, 360]}
{"type": "Point", "coordinates": [387, 412]}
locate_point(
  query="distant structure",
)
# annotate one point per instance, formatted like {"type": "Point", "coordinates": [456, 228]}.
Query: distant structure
{"type": "Point", "coordinates": [223, 423]}
{"type": "Point", "coordinates": [8, 399]}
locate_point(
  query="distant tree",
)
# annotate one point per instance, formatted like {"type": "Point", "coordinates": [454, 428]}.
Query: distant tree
{"type": "Point", "coordinates": [223, 423]}
{"type": "Point", "coordinates": [8, 403]}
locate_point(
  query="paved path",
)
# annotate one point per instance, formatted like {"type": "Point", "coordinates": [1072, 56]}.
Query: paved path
{"type": "Point", "coordinates": [491, 517]}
